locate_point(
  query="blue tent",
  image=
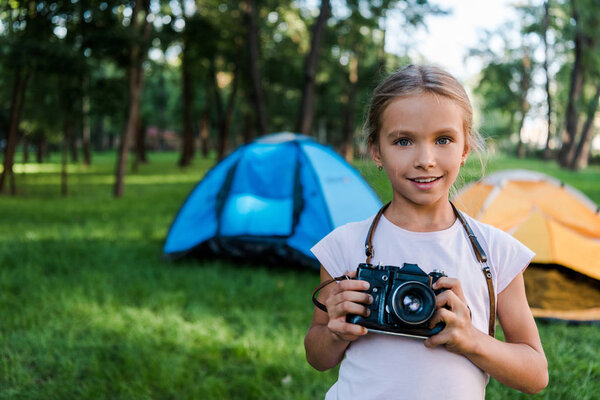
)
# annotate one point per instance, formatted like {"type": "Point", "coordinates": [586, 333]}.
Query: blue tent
{"type": "Point", "coordinates": [271, 201]}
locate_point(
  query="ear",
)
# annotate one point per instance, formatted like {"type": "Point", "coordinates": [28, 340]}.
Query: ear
{"type": "Point", "coordinates": [466, 151]}
{"type": "Point", "coordinates": [375, 153]}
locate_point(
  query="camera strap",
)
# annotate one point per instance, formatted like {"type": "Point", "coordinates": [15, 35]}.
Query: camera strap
{"type": "Point", "coordinates": [477, 249]}
{"type": "Point", "coordinates": [487, 273]}
{"type": "Point", "coordinates": [316, 302]}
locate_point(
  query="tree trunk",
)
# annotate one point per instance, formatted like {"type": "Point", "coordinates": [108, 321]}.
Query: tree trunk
{"type": "Point", "coordinates": [224, 114]}
{"type": "Point", "coordinates": [546, 24]}
{"type": "Point", "coordinates": [25, 149]}
{"type": "Point", "coordinates": [85, 128]}
{"type": "Point", "coordinates": [307, 105]}
{"type": "Point", "coordinates": [136, 82]}
{"type": "Point", "coordinates": [521, 146]}
{"type": "Point", "coordinates": [99, 135]}
{"type": "Point", "coordinates": [85, 98]}
{"type": "Point", "coordinates": [205, 131]}
{"type": "Point", "coordinates": [66, 143]}
{"type": "Point", "coordinates": [16, 107]}
{"type": "Point", "coordinates": [258, 101]}
{"type": "Point", "coordinates": [247, 129]}
{"type": "Point", "coordinates": [187, 150]}
{"type": "Point", "coordinates": [582, 153]}
{"type": "Point", "coordinates": [347, 149]}
{"type": "Point", "coordinates": [524, 84]}
{"type": "Point", "coordinates": [381, 54]}
{"type": "Point", "coordinates": [73, 147]}
{"type": "Point", "coordinates": [140, 144]}
{"type": "Point", "coordinates": [575, 91]}
{"type": "Point", "coordinates": [40, 149]}
{"type": "Point", "coordinates": [226, 123]}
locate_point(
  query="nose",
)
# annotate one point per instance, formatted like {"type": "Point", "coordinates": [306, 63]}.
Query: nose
{"type": "Point", "coordinates": [425, 157]}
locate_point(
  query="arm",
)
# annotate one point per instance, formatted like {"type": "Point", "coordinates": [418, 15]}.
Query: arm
{"type": "Point", "coordinates": [519, 362]}
{"type": "Point", "coordinates": [329, 334]}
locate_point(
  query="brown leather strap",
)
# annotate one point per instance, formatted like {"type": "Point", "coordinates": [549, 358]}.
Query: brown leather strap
{"type": "Point", "coordinates": [487, 273]}
{"type": "Point", "coordinates": [479, 254]}
{"type": "Point", "coordinates": [488, 278]}
{"type": "Point", "coordinates": [317, 303]}
{"type": "Point", "coordinates": [369, 240]}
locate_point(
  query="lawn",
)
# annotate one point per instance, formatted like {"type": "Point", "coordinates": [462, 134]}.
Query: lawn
{"type": "Point", "coordinates": [91, 311]}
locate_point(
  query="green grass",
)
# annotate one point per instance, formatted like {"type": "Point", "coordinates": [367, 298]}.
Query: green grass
{"type": "Point", "coordinates": [90, 311]}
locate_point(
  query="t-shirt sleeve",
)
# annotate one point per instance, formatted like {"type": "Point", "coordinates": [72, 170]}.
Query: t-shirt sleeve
{"type": "Point", "coordinates": [509, 257]}
{"type": "Point", "coordinates": [330, 252]}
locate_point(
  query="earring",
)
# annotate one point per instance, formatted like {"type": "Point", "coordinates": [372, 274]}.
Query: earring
{"type": "Point", "coordinates": [380, 167]}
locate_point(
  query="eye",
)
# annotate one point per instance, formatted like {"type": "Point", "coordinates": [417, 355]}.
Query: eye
{"type": "Point", "coordinates": [403, 142]}
{"type": "Point", "coordinates": [443, 140]}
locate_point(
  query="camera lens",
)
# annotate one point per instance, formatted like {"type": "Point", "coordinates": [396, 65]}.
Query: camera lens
{"type": "Point", "coordinates": [413, 303]}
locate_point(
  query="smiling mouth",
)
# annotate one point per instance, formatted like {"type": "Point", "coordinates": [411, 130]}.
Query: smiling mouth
{"type": "Point", "coordinates": [425, 180]}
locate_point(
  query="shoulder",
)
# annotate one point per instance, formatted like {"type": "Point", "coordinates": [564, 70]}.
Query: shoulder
{"type": "Point", "coordinates": [341, 248]}
{"type": "Point", "coordinates": [351, 230]}
{"type": "Point", "coordinates": [506, 255]}
{"type": "Point", "coordinates": [491, 235]}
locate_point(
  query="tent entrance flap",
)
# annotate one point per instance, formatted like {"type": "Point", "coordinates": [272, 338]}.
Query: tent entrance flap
{"type": "Point", "coordinates": [256, 194]}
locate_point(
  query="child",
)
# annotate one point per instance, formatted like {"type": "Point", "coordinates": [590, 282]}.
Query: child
{"type": "Point", "coordinates": [420, 132]}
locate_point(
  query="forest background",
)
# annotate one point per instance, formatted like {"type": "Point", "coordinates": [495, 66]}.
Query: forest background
{"type": "Point", "coordinates": [201, 76]}
{"type": "Point", "coordinates": [95, 93]}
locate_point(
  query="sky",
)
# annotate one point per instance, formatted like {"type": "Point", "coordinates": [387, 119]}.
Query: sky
{"type": "Point", "coordinates": [448, 38]}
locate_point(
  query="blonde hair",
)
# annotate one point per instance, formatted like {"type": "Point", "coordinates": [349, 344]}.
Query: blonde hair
{"type": "Point", "coordinates": [417, 79]}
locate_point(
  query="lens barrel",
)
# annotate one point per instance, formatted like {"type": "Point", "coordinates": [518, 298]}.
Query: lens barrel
{"type": "Point", "coordinates": [413, 303]}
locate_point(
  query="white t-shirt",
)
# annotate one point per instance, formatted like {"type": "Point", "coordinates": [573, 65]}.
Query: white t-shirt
{"type": "Point", "coordinates": [380, 366]}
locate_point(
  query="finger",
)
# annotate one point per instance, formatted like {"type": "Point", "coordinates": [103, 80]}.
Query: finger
{"type": "Point", "coordinates": [351, 274]}
{"type": "Point", "coordinates": [348, 307]}
{"type": "Point", "coordinates": [450, 300]}
{"type": "Point", "coordinates": [451, 284]}
{"type": "Point", "coordinates": [342, 328]}
{"type": "Point", "coordinates": [356, 297]}
{"type": "Point", "coordinates": [442, 315]}
{"type": "Point", "coordinates": [446, 299]}
{"type": "Point", "coordinates": [434, 341]}
{"type": "Point", "coordinates": [353, 284]}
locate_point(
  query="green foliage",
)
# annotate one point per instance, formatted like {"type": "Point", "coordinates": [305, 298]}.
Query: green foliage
{"type": "Point", "coordinates": [90, 311]}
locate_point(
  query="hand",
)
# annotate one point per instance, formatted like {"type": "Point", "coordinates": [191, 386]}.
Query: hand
{"type": "Point", "coordinates": [346, 298]}
{"type": "Point", "coordinates": [458, 336]}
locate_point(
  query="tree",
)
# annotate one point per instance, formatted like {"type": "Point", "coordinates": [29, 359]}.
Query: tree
{"type": "Point", "coordinates": [505, 83]}
{"type": "Point", "coordinates": [29, 32]}
{"type": "Point", "coordinates": [140, 34]}
{"type": "Point", "coordinates": [187, 89]}
{"type": "Point", "coordinates": [224, 112]}
{"type": "Point", "coordinates": [546, 66]}
{"type": "Point", "coordinates": [306, 115]}
{"type": "Point", "coordinates": [585, 16]}
{"type": "Point", "coordinates": [524, 71]}
{"type": "Point", "coordinates": [256, 91]}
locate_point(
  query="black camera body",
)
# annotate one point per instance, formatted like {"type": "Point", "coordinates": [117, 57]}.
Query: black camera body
{"type": "Point", "coordinates": [403, 300]}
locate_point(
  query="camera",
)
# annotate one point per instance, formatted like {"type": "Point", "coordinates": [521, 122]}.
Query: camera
{"type": "Point", "coordinates": [403, 300]}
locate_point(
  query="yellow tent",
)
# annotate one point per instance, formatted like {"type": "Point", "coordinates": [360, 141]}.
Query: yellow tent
{"type": "Point", "coordinates": [556, 221]}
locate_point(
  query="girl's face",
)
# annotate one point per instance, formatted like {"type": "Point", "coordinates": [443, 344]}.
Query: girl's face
{"type": "Point", "coordinates": [421, 146]}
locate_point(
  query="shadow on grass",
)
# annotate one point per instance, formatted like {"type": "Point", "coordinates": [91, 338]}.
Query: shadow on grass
{"type": "Point", "coordinates": [101, 319]}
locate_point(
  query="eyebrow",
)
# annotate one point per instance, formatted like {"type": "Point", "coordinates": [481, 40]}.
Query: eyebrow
{"type": "Point", "coordinates": [397, 133]}
{"type": "Point", "coordinates": [401, 133]}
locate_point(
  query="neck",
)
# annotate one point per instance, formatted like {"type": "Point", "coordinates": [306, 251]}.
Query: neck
{"type": "Point", "coordinates": [421, 218]}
